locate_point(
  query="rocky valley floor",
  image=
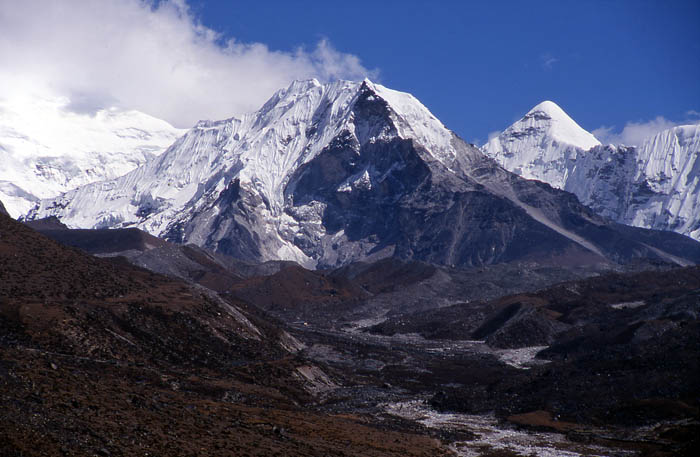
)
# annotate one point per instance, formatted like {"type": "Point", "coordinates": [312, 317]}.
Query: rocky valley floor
{"type": "Point", "coordinates": [99, 357]}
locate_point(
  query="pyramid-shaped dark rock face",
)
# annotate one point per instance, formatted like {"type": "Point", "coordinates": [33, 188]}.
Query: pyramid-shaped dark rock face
{"type": "Point", "coordinates": [330, 174]}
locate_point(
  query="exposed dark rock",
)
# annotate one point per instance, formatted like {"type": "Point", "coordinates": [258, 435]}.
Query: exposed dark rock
{"type": "Point", "coordinates": [48, 223]}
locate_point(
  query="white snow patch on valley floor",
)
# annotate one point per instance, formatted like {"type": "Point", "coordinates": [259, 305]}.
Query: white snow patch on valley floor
{"type": "Point", "coordinates": [491, 435]}
{"type": "Point", "coordinates": [523, 358]}
{"type": "Point", "coordinates": [629, 304]}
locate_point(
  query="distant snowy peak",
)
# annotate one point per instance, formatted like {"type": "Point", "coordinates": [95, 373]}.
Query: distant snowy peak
{"type": "Point", "coordinates": [47, 149]}
{"type": "Point", "coordinates": [557, 125]}
{"type": "Point", "coordinates": [541, 144]}
{"type": "Point", "coordinates": [655, 185]}
{"type": "Point", "coordinates": [546, 123]}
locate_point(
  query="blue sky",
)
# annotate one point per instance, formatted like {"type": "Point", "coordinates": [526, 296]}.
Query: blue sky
{"type": "Point", "coordinates": [622, 69]}
{"type": "Point", "coordinates": [480, 65]}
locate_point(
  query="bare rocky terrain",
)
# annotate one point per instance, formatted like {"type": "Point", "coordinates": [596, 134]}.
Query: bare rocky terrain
{"type": "Point", "coordinates": [214, 356]}
{"type": "Point", "coordinates": [98, 357]}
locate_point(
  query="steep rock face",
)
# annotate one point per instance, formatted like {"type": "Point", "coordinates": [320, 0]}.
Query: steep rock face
{"type": "Point", "coordinates": [46, 149]}
{"type": "Point", "coordinates": [329, 174]}
{"type": "Point", "coordinates": [654, 185]}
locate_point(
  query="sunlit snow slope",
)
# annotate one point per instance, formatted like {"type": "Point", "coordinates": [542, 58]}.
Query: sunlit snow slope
{"type": "Point", "coordinates": [654, 185]}
{"type": "Point", "coordinates": [666, 190]}
{"type": "Point", "coordinates": [46, 149]}
{"type": "Point", "coordinates": [541, 145]}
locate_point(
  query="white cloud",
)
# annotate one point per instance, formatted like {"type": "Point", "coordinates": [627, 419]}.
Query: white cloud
{"type": "Point", "coordinates": [634, 133]}
{"type": "Point", "coordinates": [548, 60]}
{"type": "Point", "coordinates": [494, 134]}
{"type": "Point", "coordinates": [146, 55]}
{"type": "Point", "coordinates": [605, 134]}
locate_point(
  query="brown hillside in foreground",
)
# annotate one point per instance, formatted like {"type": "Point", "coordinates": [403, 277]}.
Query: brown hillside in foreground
{"type": "Point", "coordinates": [101, 358]}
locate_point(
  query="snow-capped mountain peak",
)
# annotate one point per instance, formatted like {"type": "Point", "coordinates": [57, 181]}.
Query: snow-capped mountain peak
{"type": "Point", "coordinates": [264, 153]}
{"type": "Point", "coordinates": [541, 144]}
{"type": "Point", "coordinates": [558, 125]}
{"type": "Point", "coordinates": [547, 122]}
{"type": "Point", "coordinates": [417, 122]}
{"type": "Point", "coordinates": [296, 124]}
{"type": "Point", "coordinates": [655, 185]}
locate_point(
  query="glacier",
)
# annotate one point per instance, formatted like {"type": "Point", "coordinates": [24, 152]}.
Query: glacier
{"type": "Point", "coordinates": [653, 185]}
{"type": "Point", "coordinates": [47, 149]}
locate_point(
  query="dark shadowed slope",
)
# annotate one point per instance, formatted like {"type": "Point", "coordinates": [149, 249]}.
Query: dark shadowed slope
{"type": "Point", "coordinates": [554, 309]}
